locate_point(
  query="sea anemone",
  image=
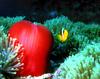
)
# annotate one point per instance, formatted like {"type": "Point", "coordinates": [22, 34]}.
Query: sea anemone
{"type": "Point", "coordinates": [9, 59]}
{"type": "Point", "coordinates": [84, 65]}
{"type": "Point", "coordinates": [37, 41]}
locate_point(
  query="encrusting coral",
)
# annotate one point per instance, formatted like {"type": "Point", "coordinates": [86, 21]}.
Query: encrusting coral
{"type": "Point", "coordinates": [84, 65]}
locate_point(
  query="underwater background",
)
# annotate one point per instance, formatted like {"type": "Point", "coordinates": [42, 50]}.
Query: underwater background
{"type": "Point", "coordinates": [75, 27]}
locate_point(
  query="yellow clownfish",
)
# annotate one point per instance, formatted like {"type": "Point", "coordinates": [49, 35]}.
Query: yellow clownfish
{"type": "Point", "coordinates": [63, 36]}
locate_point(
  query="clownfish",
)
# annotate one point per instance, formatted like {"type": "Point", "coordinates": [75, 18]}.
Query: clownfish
{"type": "Point", "coordinates": [63, 36]}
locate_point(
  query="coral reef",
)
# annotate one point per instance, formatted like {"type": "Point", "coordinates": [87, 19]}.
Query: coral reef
{"type": "Point", "coordinates": [78, 57]}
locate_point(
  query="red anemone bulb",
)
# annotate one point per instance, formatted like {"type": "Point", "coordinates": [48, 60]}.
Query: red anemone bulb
{"type": "Point", "coordinates": [37, 41]}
